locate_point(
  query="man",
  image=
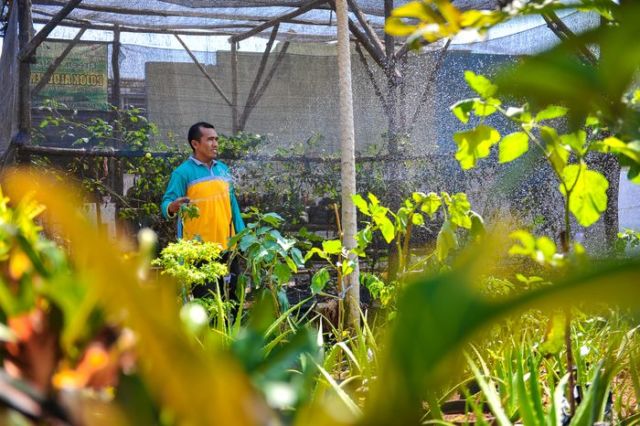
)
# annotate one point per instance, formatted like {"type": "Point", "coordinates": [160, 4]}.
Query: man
{"type": "Point", "coordinates": [207, 183]}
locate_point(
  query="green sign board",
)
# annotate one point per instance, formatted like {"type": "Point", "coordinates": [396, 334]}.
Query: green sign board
{"type": "Point", "coordinates": [80, 81]}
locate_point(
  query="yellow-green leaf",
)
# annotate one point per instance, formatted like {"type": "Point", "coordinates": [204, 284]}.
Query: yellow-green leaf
{"type": "Point", "coordinates": [513, 146]}
{"type": "Point", "coordinates": [446, 241]}
{"type": "Point", "coordinates": [415, 9]}
{"type": "Point", "coordinates": [475, 144]}
{"type": "Point", "coordinates": [480, 84]}
{"type": "Point", "coordinates": [551, 112]}
{"type": "Point", "coordinates": [576, 140]}
{"type": "Point", "coordinates": [332, 246]}
{"type": "Point", "coordinates": [588, 197]}
{"type": "Point", "coordinates": [361, 204]}
{"type": "Point", "coordinates": [431, 204]}
{"type": "Point", "coordinates": [555, 151]}
{"type": "Point", "coordinates": [386, 227]}
{"type": "Point", "coordinates": [396, 27]}
{"type": "Point", "coordinates": [462, 109]}
{"type": "Point", "coordinates": [417, 219]}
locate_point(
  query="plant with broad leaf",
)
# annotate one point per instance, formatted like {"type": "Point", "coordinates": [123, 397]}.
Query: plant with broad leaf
{"type": "Point", "coordinates": [583, 189]}
{"type": "Point", "coordinates": [271, 258]}
{"type": "Point", "coordinates": [396, 228]}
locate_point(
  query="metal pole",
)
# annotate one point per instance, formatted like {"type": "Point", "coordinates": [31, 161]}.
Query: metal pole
{"type": "Point", "coordinates": [348, 169]}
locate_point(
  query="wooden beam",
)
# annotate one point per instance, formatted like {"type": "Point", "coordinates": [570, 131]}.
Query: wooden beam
{"type": "Point", "coordinates": [56, 63]}
{"type": "Point", "coordinates": [203, 71]}
{"type": "Point", "coordinates": [258, 77]}
{"type": "Point", "coordinates": [24, 78]}
{"type": "Point", "coordinates": [375, 40]}
{"type": "Point", "coordinates": [301, 10]}
{"type": "Point", "coordinates": [361, 37]}
{"type": "Point", "coordinates": [265, 84]}
{"type": "Point", "coordinates": [366, 43]}
{"type": "Point", "coordinates": [165, 13]}
{"type": "Point", "coordinates": [234, 86]}
{"type": "Point", "coordinates": [27, 51]}
{"type": "Point", "coordinates": [128, 153]}
{"type": "Point", "coordinates": [372, 78]}
{"type": "Point", "coordinates": [115, 67]}
{"type": "Point", "coordinates": [81, 23]}
{"type": "Point", "coordinates": [428, 86]}
{"type": "Point", "coordinates": [563, 32]}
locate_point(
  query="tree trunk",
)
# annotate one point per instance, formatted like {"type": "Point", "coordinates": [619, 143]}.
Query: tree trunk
{"type": "Point", "coordinates": [348, 169]}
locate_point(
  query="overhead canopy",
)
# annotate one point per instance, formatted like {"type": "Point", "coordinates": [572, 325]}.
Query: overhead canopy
{"type": "Point", "coordinates": [310, 20]}
{"type": "Point", "coordinates": [299, 20]}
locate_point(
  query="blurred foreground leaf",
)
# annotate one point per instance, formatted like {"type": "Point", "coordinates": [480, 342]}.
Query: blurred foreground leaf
{"type": "Point", "coordinates": [437, 316]}
{"type": "Point", "coordinates": [196, 386]}
{"type": "Point", "coordinates": [558, 76]}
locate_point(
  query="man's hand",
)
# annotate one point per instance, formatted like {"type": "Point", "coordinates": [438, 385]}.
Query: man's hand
{"type": "Point", "coordinates": [176, 204]}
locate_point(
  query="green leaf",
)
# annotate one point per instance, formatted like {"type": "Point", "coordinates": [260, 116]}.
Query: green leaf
{"type": "Point", "coordinates": [386, 227]}
{"type": "Point", "coordinates": [541, 250]}
{"type": "Point", "coordinates": [556, 152]}
{"type": "Point", "coordinates": [588, 197]}
{"type": "Point", "coordinates": [317, 251]}
{"type": "Point", "coordinates": [418, 197]}
{"type": "Point", "coordinates": [291, 264]}
{"type": "Point", "coordinates": [513, 146]}
{"type": "Point", "coordinates": [417, 219]}
{"type": "Point", "coordinates": [475, 144]}
{"type": "Point", "coordinates": [282, 273]}
{"type": "Point", "coordinates": [273, 219]}
{"type": "Point", "coordinates": [576, 140]}
{"type": "Point", "coordinates": [431, 204]}
{"type": "Point", "coordinates": [446, 241]}
{"type": "Point", "coordinates": [363, 238]}
{"type": "Point", "coordinates": [459, 208]}
{"type": "Point", "coordinates": [346, 267]}
{"type": "Point", "coordinates": [361, 204]}
{"type": "Point", "coordinates": [485, 109]}
{"type": "Point", "coordinates": [296, 255]}
{"type": "Point", "coordinates": [631, 150]}
{"type": "Point", "coordinates": [462, 109]}
{"type": "Point", "coordinates": [477, 224]}
{"type": "Point", "coordinates": [319, 280]}
{"type": "Point", "coordinates": [554, 339]}
{"type": "Point", "coordinates": [480, 84]}
{"type": "Point", "coordinates": [332, 246]}
{"type": "Point", "coordinates": [551, 112]}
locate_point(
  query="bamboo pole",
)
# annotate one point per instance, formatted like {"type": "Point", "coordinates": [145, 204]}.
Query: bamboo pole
{"type": "Point", "coordinates": [204, 71]}
{"type": "Point", "coordinates": [24, 67]}
{"type": "Point", "coordinates": [234, 86]}
{"type": "Point", "coordinates": [115, 67]}
{"type": "Point", "coordinates": [348, 169]}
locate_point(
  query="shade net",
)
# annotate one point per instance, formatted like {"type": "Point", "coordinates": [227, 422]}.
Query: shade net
{"type": "Point", "coordinates": [286, 101]}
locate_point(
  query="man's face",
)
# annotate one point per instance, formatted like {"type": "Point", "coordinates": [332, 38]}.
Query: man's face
{"type": "Point", "coordinates": [206, 148]}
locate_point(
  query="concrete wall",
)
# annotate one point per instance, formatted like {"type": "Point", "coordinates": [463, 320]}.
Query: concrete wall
{"type": "Point", "coordinates": [301, 100]}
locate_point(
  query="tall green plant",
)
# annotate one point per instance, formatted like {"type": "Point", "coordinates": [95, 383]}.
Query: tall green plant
{"type": "Point", "coordinates": [270, 257]}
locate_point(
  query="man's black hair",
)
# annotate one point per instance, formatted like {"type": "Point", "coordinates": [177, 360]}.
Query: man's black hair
{"type": "Point", "coordinates": [195, 133]}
